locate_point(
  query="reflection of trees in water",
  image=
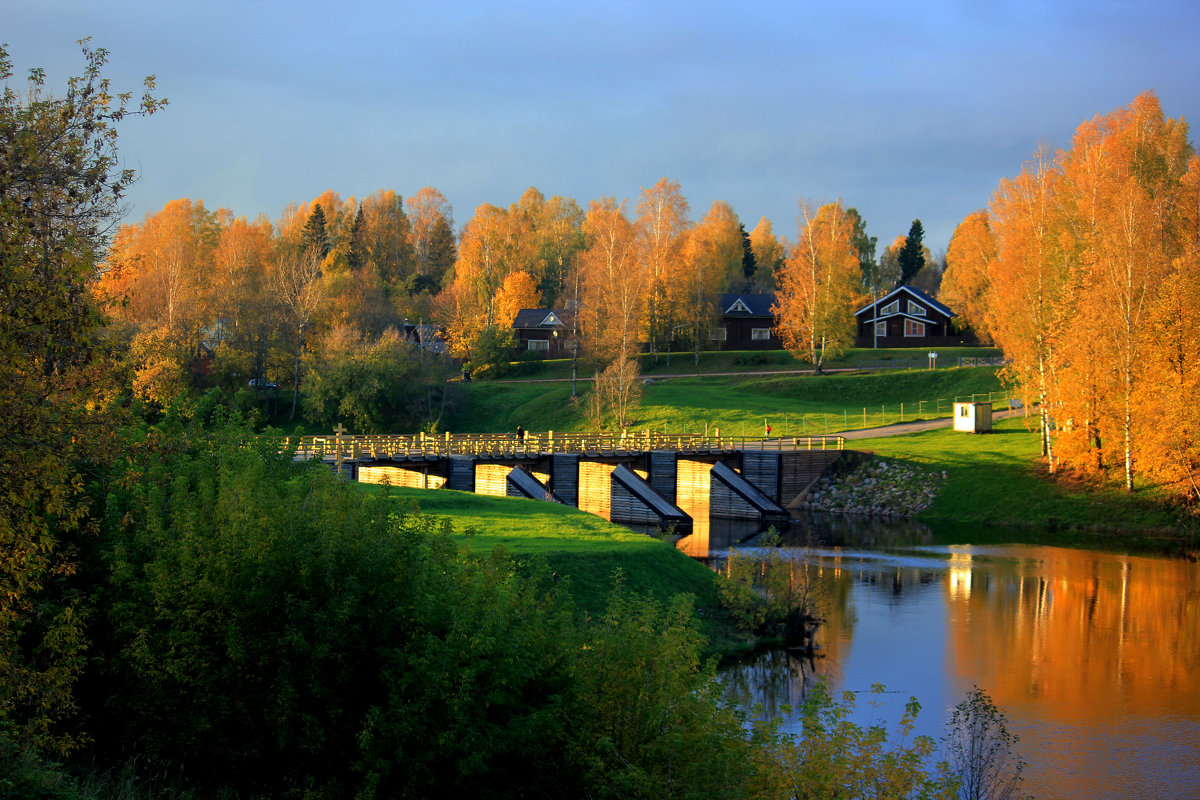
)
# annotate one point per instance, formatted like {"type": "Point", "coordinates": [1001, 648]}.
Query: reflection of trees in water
{"type": "Point", "coordinates": [768, 682]}
{"type": "Point", "coordinates": [812, 529]}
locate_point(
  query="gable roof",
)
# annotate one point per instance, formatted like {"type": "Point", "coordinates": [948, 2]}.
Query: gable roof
{"type": "Point", "coordinates": [539, 318]}
{"type": "Point", "coordinates": [914, 292]}
{"type": "Point", "coordinates": [749, 305]}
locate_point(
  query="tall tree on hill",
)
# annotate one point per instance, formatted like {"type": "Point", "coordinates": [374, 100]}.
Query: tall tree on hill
{"type": "Point", "coordinates": [912, 257]}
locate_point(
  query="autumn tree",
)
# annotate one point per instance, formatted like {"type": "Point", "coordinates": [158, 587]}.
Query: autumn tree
{"type": "Point", "coordinates": [1122, 178]}
{"type": "Point", "coordinates": [710, 259]}
{"type": "Point", "coordinates": [612, 293]}
{"type": "Point", "coordinates": [296, 285]}
{"type": "Point", "coordinates": [816, 289]}
{"type": "Point", "coordinates": [887, 276]}
{"type": "Point", "coordinates": [662, 221]}
{"type": "Point", "coordinates": [432, 221]}
{"type": "Point", "coordinates": [61, 183]}
{"type": "Point", "coordinates": [768, 254]}
{"type": "Point", "coordinates": [969, 259]}
{"type": "Point", "coordinates": [519, 290]}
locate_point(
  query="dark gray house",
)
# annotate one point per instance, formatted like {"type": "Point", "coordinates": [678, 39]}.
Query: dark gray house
{"type": "Point", "coordinates": [906, 317]}
{"type": "Point", "coordinates": [747, 323]}
{"type": "Point", "coordinates": [546, 330]}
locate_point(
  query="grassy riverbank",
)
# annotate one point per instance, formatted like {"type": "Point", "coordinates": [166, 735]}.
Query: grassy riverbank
{"type": "Point", "coordinates": [999, 479]}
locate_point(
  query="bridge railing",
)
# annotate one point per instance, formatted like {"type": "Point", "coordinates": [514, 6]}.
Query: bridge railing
{"type": "Point", "coordinates": [424, 445]}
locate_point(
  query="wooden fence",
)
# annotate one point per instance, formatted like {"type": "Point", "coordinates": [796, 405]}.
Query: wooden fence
{"type": "Point", "coordinates": [341, 446]}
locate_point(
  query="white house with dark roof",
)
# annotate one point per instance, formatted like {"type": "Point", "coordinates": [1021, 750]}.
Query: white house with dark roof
{"type": "Point", "coordinates": [906, 317]}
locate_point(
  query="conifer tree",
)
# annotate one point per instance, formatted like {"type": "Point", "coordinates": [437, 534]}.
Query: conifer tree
{"type": "Point", "coordinates": [912, 259]}
{"type": "Point", "coordinates": [315, 235]}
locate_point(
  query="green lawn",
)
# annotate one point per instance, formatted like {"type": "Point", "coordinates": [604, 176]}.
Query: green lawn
{"type": "Point", "coordinates": [997, 478]}
{"type": "Point", "coordinates": [795, 405]}
{"type": "Point", "coordinates": [760, 361]}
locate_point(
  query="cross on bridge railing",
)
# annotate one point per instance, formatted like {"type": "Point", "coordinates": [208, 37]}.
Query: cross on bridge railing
{"type": "Point", "coordinates": [342, 446]}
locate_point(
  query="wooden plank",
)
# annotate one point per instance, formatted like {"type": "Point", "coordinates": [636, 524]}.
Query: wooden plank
{"type": "Point", "coordinates": [595, 488]}
{"type": "Point", "coordinates": [492, 479]}
{"type": "Point", "coordinates": [400, 476]}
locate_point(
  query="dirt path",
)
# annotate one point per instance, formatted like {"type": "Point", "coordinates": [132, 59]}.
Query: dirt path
{"type": "Point", "coordinates": [901, 428]}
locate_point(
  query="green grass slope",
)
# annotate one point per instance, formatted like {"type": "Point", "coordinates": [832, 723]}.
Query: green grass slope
{"type": "Point", "coordinates": [579, 547]}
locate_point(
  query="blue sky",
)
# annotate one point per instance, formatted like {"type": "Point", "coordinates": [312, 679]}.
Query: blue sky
{"type": "Point", "coordinates": [904, 110]}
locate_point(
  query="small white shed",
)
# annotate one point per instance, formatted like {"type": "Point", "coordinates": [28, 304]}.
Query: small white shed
{"type": "Point", "coordinates": [973, 417]}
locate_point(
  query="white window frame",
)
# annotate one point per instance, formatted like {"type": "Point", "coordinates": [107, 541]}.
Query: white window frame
{"type": "Point", "coordinates": [915, 309]}
{"type": "Point", "coordinates": [537, 344]}
{"type": "Point", "coordinates": [891, 308]}
{"type": "Point", "coordinates": [760, 334]}
{"type": "Point", "coordinates": [914, 328]}
{"type": "Point", "coordinates": [881, 328]}
{"type": "Point", "coordinates": [720, 335]}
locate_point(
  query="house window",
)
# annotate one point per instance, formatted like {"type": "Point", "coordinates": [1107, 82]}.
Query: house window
{"type": "Point", "coordinates": [915, 309]}
{"type": "Point", "coordinates": [891, 308]}
{"type": "Point", "coordinates": [720, 335]}
{"type": "Point", "coordinates": [881, 328]}
{"type": "Point", "coordinates": [538, 344]}
{"type": "Point", "coordinates": [914, 328]}
{"type": "Point", "coordinates": [760, 334]}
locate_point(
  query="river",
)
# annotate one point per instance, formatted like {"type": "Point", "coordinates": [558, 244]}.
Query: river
{"type": "Point", "coordinates": [1093, 656]}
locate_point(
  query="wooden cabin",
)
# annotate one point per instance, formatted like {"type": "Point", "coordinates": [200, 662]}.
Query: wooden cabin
{"type": "Point", "coordinates": [906, 317]}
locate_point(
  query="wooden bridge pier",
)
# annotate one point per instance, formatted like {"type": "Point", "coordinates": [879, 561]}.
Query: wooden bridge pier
{"type": "Point", "coordinates": [646, 479]}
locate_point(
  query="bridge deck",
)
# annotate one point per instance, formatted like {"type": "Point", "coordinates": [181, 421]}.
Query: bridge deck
{"type": "Point", "coordinates": [421, 447]}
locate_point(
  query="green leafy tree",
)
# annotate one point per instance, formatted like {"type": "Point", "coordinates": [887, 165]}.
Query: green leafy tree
{"type": "Point", "coordinates": [865, 245]}
{"type": "Point", "coordinates": [372, 385]}
{"type": "Point", "coordinates": [60, 187]}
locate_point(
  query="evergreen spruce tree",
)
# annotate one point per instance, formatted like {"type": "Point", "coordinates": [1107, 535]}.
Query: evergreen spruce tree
{"type": "Point", "coordinates": [358, 251]}
{"type": "Point", "coordinates": [912, 258]}
{"type": "Point", "coordinates": [315, 235]}
{"type": "Point", "coordinates": [749, 265]}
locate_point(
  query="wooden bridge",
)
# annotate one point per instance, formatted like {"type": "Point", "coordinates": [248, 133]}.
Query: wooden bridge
{"type": "Point", "coordinates": [643, 477]}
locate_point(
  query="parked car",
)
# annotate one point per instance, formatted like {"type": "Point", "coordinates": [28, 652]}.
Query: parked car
{"type": "Point", "coordinates": [262, 383]}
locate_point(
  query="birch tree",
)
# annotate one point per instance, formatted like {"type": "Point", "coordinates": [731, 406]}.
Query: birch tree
{"type": "Point", "coordinates": [814, 302]}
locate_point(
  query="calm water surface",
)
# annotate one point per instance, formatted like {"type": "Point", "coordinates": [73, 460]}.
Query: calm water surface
{"type": "Point", "coordinates": [1094, 657]}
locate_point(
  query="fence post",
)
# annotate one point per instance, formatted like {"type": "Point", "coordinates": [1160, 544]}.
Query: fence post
{"type": "Point", "coordinates": [864, 417]}
{"type": "Point", "coordinates": [902, 412]}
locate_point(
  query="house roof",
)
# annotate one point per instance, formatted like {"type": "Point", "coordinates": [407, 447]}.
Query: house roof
{"type": "Point", "coordinates": [747, 305]}
{"type": "Point", "coordinates": [913, 292]}
{"type": "Point", "coordinates": [539, 318]}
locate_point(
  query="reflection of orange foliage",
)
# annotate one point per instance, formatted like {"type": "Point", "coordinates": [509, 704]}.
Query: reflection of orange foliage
{"type": "Point", "coordinates": [1066, 627]}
